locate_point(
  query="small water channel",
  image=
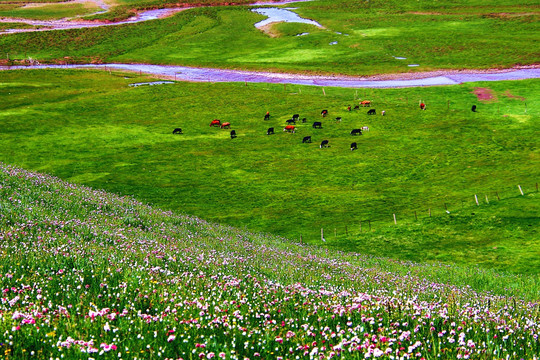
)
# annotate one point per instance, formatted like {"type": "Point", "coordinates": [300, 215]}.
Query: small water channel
{"type": "Point", "coordinates": [281, 15]}
{"type": "Point", "coordinates": [219, 75]}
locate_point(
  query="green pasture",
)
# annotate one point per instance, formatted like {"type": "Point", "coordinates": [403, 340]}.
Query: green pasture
{"type": "Point", "coordinates": [47, 11]}
{"type": "Point", "coordinates": [89, 127]}
{"type": "Point", "coordinates": [369, 38]}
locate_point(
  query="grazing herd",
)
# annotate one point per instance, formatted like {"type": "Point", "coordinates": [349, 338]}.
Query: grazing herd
{"type": "Point", "coordinates": [291, 124]}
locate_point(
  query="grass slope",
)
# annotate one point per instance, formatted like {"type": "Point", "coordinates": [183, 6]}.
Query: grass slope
{"type": "Point", "coordinates": [91, 128]}
{"type": "Point", "coordinates": [369, 37]}
{"type": "Point", "coordinates": [86, 273]}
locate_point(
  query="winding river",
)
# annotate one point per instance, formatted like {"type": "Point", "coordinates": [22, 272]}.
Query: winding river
{"type": "Point", "coordinates": [78, 23]}
{"type": "Point", "coordinates": [220, 75]}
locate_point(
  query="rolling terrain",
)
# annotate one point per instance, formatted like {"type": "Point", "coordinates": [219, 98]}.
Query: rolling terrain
{"type": "Point", "coordinates": [92, 128]}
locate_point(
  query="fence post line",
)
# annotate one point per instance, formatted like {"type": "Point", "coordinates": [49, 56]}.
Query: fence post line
{"type": "Point", "coordinates": [369, 223]}
{"type": "Point", "coordinates": [323, 92]}
{"type": "Point", "coordinates": [429, 212]}
{"type": "Point", "coordinates": [335, 232]}
{"type": "Point", "coordinates": [360, 225]}
{"type": "Point", "coordinates": [322, 234]}
{"type": "Point", "coordinates": [476, 199]}
{"type": "Point", "coordinates": [497, 193]}
{"type": "Point", "coordinates": [300, 239]}
{"type": "Point", "coordinates": [415, 217]}
{"type": "Point", "coordinates": [521, 191]}
{"type": "Point", "coordinates": [487, 200]}
{"type": "Point", "coordinates": [395, 221]}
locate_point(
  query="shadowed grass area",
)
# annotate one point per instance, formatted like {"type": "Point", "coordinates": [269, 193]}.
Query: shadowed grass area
{"type": "Point", "coordinates": [91, 128]}
{"type": "Point", "coordinates": [357, 39]}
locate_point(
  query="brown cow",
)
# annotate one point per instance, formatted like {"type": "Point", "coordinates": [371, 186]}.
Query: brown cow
{"type": "Point", "coordinates": [226, 125]}
{"type": "Point", "coordinates": [365, 103]}
{"type": "Point", "coordinates": [215, 122]}
{"type": "Point", "coordinates": [290, 128]}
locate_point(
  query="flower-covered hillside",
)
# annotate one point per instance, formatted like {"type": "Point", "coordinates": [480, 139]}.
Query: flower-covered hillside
{"type": "Point", "coordinates": [88, 274]}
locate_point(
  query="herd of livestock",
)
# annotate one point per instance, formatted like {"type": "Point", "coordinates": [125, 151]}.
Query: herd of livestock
{"type": "Point", "coordinates": [291, 124]}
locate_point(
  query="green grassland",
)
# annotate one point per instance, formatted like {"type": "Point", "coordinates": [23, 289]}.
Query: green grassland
{"type": "Point", "coordinates": [453, 36]}
{"type": "Point", "coordinates": [86, 273]}
{"type": "Point", "coordinates": [47, 11]}
{"type": "Point", "coordinates": [89, 127]}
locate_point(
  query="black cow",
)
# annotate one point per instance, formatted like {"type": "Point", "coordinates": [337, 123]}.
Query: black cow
{"type": "Point", "coordinates": [324, 113]}
{"type": "Point", "coordinates": [296, 117]}
{"type": "Point", "coordinates": [371, 112]}
{"type": "Point", "coordinates": [324, 143]}
{"type": "Point", "coordinates": [267, 116]}
{"type": "Point", "coordinates": [357, 107]}
{"type": "Point", "coordinates": [317, 125]}
{"type": "Point", "coordinates": [233, 134]}
{"type": "Point", "coordinates": [177, 131]}
{"type": "Point", "coordinates": [270, 131]}
{"type": "Point", "coordinates": [356, 132]}
{"type": "Point", "coordinates": [353, 146]}
{"type": "Point", "coordinates": [291, 121]}
{"type": "Point", "coordinates": [306, 139]}
{"type": "Point", "coordinates": [304, 120]}
{"type": "Point", "coordinates": [473, 109]}
{"type": "Point", "coordinates": [338, 118]}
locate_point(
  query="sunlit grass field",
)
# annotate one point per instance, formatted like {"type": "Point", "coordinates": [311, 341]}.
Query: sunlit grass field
{"type": "Point", "coordinates": [356, 39]}
{"type": "Point", "coordinates": [89, 127]}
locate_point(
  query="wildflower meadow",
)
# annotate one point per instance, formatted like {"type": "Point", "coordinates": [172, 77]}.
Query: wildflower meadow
{"type": "Point", "coordinates": [87, 274]}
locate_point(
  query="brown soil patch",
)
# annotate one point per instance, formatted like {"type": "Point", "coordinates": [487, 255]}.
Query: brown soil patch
{"type": "Point", "coordinates": [484, 94]}
{"type": "Point", "coordinates": [270, 30]}
{"type": "Point", "coordinates": [510, 95]}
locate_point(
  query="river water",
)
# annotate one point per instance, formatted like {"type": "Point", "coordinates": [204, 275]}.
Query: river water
{"type": "Point", "coordinates": [219, 75]}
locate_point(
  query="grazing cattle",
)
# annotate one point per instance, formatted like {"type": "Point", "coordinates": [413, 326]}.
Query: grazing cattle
{"type": "Point", "coordinates": [356, 132]}
{"type": "Point", "coordinates": [371, 112]}
{"type": "Point", "coordinates": [306, 139]}
{"type": "Point", "coordinates": [290, 128]}
{"type": "Point", "coordinates": [338, 118]}
{"type": "Point", "coordinates": [365, 103]}
{"type": "Point", "coordinates": [324, 143]}
{"type": "Point", "coordinates": [177, 131]}
{"type": "Point", "coordinates": [354, 146]}
{"type": "Point", "coordinates": [349, 108]}
{"type": "Point", "coordinates": [270, 131]}
{"type": "Point", "coordinates": [304, 120]}
{"type": "Point", "coordinates": [233, 134]}
{"type": "Point", "coordinates": [365, 128]}
{"type": "Point", "coordinates": [291, 121]}
{"type": "Point", "coordinates": [357, 107]}
{"type": "Point", "coordinates": [383, 113]}
{"type": "Point", "coordinates": [296, 117]}
{"type": "Point", "coordinates": [422, 106]}
{"type": "Point", "coordinates": [317, 125]}
{"type": "Point", "coordinates": [267, 116]}
{"type": "Point", "coordinates": [226, 125]}
{"type": "Point", "coordinates": [215, 122]}
{"type": "Point", "coordinates": [324, 113]}
{"type": "Point", "coordinates": [473, 109]}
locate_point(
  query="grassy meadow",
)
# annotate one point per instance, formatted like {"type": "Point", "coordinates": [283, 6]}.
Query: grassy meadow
{"type": "Point", "coordinates": [91, 128]}
{"type": "Point", "coordinates": [47, 11]}
{"type": "Point", "coordinates": [87, 274]}
{"type": "Point", "coordinates": [433, 35]}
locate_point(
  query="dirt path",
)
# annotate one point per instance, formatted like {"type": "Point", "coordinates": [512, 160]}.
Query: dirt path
{"type": "Point", "coordinates": [435, 78]}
